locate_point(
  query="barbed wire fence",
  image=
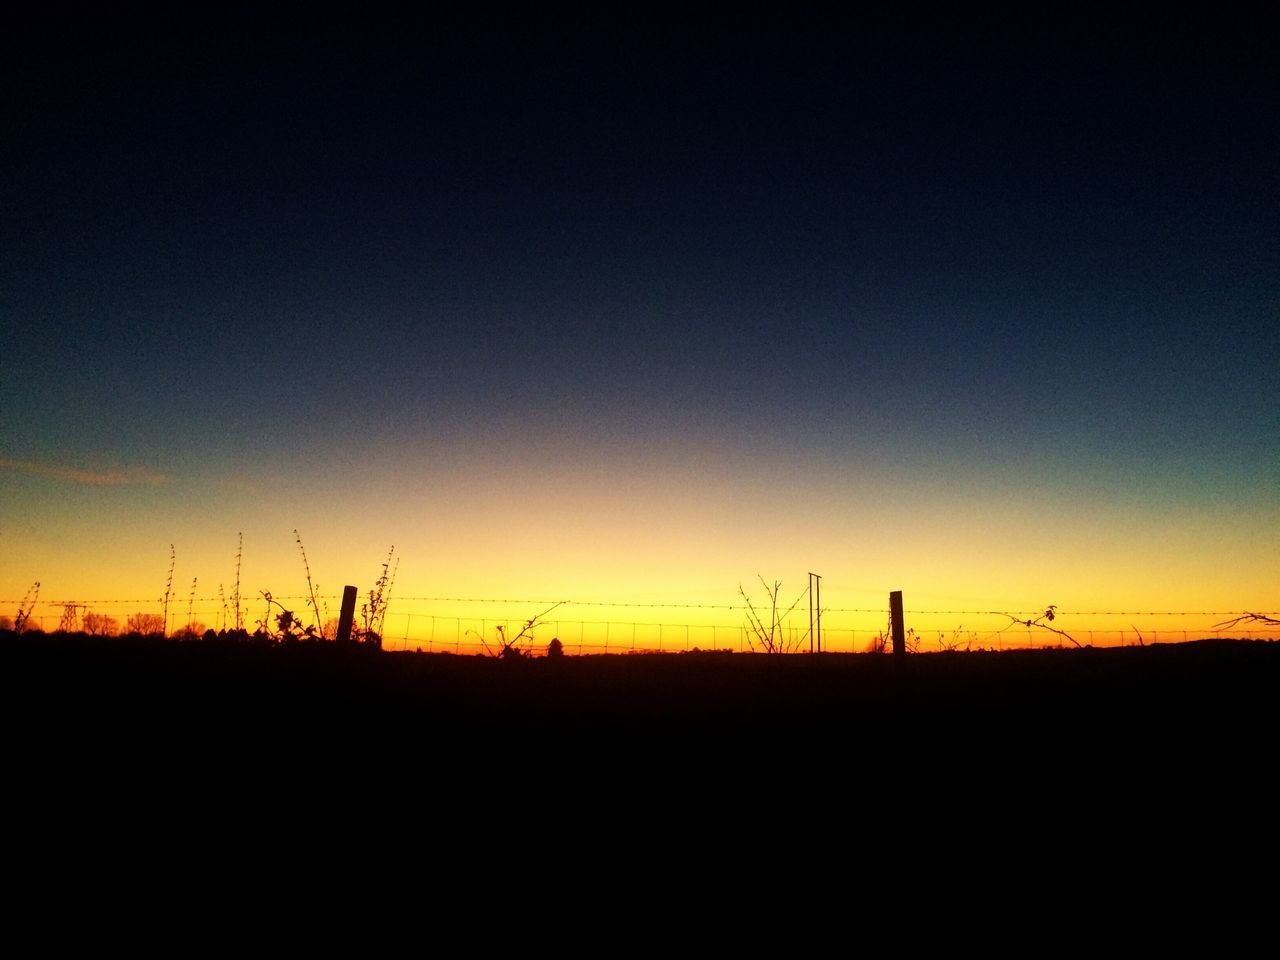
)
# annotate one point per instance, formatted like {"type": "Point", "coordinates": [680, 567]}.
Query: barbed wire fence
{"type": "Point", "coordinates": [451, 624]}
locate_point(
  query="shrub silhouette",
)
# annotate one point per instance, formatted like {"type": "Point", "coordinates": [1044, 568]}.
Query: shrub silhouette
{"type": "Point", "coordinates": [766, 630]}
{"type": "Point", "coordinates": [519, 646]}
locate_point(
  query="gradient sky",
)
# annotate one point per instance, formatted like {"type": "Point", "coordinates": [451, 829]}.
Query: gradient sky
{"type": "Point", "coordinates": [985, 312]}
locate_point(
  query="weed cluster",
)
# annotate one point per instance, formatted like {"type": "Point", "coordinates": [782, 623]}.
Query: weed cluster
{"type": "Point", "coordinates": [521, 645]}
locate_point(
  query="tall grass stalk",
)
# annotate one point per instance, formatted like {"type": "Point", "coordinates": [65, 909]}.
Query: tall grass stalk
{"type": "Point", "coordinates": [168, 589]}
{"type": "Point", "coordinates": [27, 607]}
{"type": "Point", "coordinates": [374, 613]}
{"type": "Point", "coordinates": [235, 594]}
{"type": "Point", "coordinates": [315, 606]}
{"type": "Point", "coordinates": [191, 605]}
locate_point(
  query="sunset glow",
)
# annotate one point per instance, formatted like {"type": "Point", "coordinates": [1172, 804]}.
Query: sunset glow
{"type": "Point", "coordinates": [632, 323]}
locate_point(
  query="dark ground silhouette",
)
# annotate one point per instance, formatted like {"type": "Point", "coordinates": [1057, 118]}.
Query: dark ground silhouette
{"type": "Point", "coordinates": [995, 767]}
{"type": "Point", "coordinates": [76, 702]}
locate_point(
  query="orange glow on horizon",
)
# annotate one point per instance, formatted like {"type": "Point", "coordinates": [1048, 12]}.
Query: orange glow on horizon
{"type": "Point", "coordinates": [655, 554]}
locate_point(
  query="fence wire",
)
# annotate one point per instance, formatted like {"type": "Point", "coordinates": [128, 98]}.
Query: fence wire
{"type": "Point", "coordinates": [426, 624]}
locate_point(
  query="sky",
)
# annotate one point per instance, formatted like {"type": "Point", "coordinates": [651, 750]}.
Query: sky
{"type": "Point", "coordinates": [979, 309]}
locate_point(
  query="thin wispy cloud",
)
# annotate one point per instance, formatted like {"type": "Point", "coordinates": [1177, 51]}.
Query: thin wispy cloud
{"type": "Point", "coordinates": [91, 478]}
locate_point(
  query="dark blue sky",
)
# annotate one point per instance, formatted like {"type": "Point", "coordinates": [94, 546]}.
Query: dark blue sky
{"type": "Point", "coordinates": [943, 241]}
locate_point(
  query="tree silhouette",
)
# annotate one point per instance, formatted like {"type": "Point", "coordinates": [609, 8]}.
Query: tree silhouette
{"type": "Point", "coordinates": [145, 624]}
{"type": "Point", "coordinates": [100, 625]}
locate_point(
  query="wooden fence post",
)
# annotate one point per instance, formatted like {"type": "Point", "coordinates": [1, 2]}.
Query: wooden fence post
{"type": "Point", "coordinates": [347, 615]}
{"type": "Point", "coordinates": [899, 629]}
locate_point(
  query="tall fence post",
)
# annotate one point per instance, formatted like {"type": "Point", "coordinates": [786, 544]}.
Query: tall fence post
{"type": "Point", "coordinates": [899, 629]}
{"type": "Point", "coordinates": [815, 613]}
{"type": "Point", "coordinates": [347, 616]}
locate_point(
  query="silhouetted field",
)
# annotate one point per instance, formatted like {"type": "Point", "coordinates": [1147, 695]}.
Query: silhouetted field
{"type": "Point", "coordinates": [231, 713]}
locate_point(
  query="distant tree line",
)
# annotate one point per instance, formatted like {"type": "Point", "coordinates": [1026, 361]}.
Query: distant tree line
{"type": "Point", "coordinates": [151, 626]}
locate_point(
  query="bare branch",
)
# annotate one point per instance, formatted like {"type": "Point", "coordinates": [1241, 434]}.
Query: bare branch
{"type": "Point", "coordinates": [770, 638]}
{"type": "Point", "coordinates": [1038, 622]}
{"type": "Point", "coordinates": [510, 647]}
{"type": "Point", "coordinates": [1247, 618]}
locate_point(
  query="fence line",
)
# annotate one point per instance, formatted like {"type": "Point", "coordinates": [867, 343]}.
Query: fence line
{"type": "Point", "coordinates": [435, 631]}
{"type": "Point", "coordinates": [306, 598]}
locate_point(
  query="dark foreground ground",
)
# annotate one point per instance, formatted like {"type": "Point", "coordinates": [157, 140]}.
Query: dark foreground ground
{"type": "Point", "coordinates": [142, 709]}
{"type": "Point", "coordinates": [988, 778]}
{"type": "Point", "coordinates": [1113, 772]}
